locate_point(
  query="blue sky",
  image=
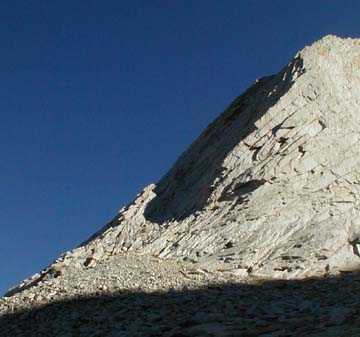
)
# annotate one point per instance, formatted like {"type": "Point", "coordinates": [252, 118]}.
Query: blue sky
{"type": "Point", "coordinates": [99, 98]}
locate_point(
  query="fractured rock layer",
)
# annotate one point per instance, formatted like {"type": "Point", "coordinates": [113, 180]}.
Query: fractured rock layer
{"type": "Point", "coordinates": [270, 188]}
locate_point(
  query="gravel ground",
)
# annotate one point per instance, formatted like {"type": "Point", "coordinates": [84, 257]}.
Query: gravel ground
{"type": "Point", "coordinates": [138, 295]}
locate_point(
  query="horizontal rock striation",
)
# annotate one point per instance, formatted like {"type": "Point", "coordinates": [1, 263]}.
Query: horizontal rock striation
{"type": "Point", "coordinates": [270, 188]}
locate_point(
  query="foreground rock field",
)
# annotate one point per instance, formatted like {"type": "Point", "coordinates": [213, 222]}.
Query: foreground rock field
{"type": "Point", "coordinates": [133, 295]}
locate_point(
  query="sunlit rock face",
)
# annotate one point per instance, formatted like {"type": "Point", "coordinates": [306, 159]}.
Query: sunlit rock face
{"type": "Point", "coordinates": [270, 188]}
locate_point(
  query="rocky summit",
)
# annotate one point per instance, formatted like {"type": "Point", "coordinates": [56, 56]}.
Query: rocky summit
{"type": "Point", "coordinates": [255, 230]}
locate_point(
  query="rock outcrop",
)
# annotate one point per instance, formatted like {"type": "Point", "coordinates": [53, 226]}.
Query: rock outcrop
{"type": "Point", "coordinates": [271, 188]}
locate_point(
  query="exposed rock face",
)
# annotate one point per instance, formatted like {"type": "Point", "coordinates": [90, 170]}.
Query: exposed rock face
{"type": "Point", "coordinates": [270, 188]}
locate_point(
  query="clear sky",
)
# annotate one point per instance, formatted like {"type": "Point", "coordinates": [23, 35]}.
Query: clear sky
{"type": "Point", "coordinates": [99, 98]}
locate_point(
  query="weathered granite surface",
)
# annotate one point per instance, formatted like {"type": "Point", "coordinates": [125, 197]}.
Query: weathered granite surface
{"type": "Point", "coordinates": [269, 189]}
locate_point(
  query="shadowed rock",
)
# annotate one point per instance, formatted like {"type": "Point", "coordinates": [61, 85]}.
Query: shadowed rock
{"type": "Point", "coordinates": [323, 307]}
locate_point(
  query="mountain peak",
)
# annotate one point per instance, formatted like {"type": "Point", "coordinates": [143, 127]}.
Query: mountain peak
{"type": "Point", "coordinates": [269, 189]}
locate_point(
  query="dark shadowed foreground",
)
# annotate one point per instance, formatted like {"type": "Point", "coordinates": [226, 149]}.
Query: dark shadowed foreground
{"type": "Point", "coordinates": [314, 307]}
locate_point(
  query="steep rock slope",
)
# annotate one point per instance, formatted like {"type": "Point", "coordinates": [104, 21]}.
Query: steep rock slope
{"type": "Point", "coordinates": [270, 188]}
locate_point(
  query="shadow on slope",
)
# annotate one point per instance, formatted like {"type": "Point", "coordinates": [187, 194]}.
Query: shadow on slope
{"type": "Point", "coordinates": [314, 307]}
{"type": "Point", "coordinates": [188, 185]}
